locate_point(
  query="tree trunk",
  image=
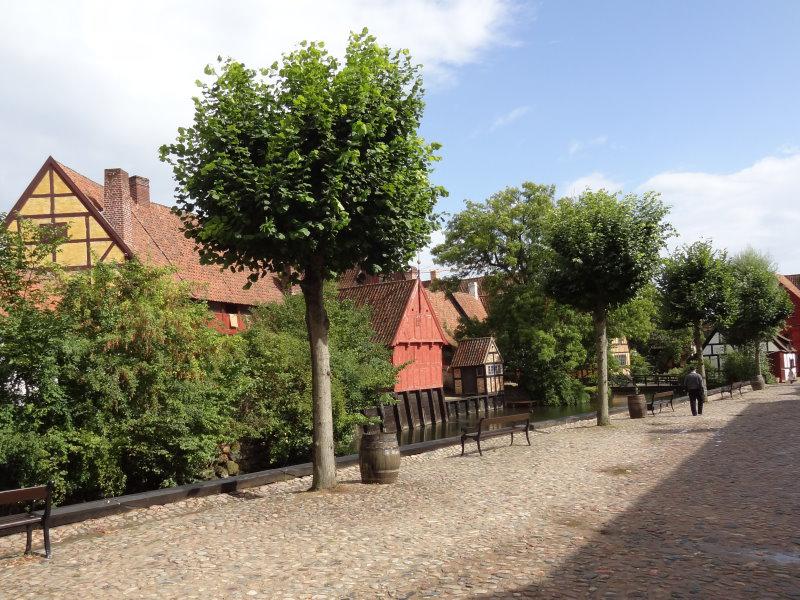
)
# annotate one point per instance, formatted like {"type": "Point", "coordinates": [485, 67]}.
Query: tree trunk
{"type": "Point", "coordinates": [698, 348]}
{"type": "Point", "coordinates": [758, 360]}
{"type": "Point", "coordinates": [324, 463]}
{"type": "Point", "coordinates": [601, 347]}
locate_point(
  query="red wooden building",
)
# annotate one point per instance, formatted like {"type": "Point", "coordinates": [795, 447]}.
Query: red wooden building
{"type": "Point", "coordinates": [403, 320]}
{"type": "Point", "coordinates": [791, 283]}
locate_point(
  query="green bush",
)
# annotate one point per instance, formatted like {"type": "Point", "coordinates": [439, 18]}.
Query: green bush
{"type": "Point", "coordinates": [122, 386]}
{"type": "Point", "coordinates": [740, 365]}
{"type": "Point", "coordinates": [276, 408]}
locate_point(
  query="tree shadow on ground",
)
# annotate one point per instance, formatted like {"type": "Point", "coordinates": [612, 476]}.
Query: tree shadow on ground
{"type": "Point", "coordinates": [725, 524]}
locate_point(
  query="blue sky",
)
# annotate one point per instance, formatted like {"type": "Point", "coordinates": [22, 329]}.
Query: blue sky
{"type": "Point", "coordinates": [698, 100]}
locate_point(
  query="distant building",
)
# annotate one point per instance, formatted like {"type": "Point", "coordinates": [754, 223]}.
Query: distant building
{"type": "Point", "coordinates": [403, 320]}
{"type": "Point", "coordinates": [478, 368]}
{"type": "Point", "coordinates": [117, 221]}
{"type": "Point", "coordinates": [779, 351]}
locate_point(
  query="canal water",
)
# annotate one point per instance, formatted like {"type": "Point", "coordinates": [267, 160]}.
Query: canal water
{"type": "Point", "coordinates": [453, 428]}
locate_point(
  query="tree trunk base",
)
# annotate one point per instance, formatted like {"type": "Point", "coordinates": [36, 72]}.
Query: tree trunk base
{"type": "Point", "coordinates": [757, 383]}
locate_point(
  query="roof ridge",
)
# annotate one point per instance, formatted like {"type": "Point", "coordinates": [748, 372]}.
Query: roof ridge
{"type": "Point", "coordinates": [63, 166]}
{"type": "Point", "coordinates": [364, 285]}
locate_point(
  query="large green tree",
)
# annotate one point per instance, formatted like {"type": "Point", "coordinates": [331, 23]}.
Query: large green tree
{"type": "Point", "coordinates": [762, 305]}
{"type": "Point", "coordinates": [309, 167]}
{"type": "Point", "coordinates": [502, 238]}
{"type": "Point", "coordinates": [603, 250]}
{"type": "Point", "coordinates": [697, 291]}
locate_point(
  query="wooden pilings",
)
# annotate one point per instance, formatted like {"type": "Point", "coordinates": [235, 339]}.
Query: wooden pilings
{"type": "Point", "coordinates": [425, 408]}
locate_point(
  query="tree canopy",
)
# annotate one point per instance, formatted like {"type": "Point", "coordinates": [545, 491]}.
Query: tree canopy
{"type": "Point", "coordinates": [697, 291]}
{"type": "Point", "coordinates": [311, 163]}
{"type": "Point", "coordinates": [307, 168]}
{"type": "Point", "coordinates": [603, 250]}
{"type": "Point", "coordinates": [762, 305]}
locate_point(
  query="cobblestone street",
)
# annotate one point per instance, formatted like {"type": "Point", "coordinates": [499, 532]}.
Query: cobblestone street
{"type": "Point", "coordinates": [668, 507]}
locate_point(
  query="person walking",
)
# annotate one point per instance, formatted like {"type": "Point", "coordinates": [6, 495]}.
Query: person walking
{"type": "Point", "coordinates": [694, 387]}
{"type": "Point", "coordinates": [792, 372]}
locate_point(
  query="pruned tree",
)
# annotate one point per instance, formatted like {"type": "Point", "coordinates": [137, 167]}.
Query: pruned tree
{"type": "Point", "coordinates": [697, 291]}
{"type": "Point", "coordinates": [309, 167]}
{"type": "Point", "coordinates": [603, 250]}
{"type": "Point", "coordinates": [762, 306]}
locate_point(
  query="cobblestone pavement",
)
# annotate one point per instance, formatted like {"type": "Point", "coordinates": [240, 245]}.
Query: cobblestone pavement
{"type": "Point", "coordinates": [668, 507]}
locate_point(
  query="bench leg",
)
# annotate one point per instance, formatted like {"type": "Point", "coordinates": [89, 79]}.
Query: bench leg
{"type": "Point", "coordinates": [671, 406]}
{"type": "Point", "coordinates": [462, 445]}
{"type": "Point", "coordinates": [478, 440]}
{"type": "Point", "coordinates": [46, 531]}
{"type": "Point", "coordinates": [512, 439]}
{"type": "Point", "coordinates": [527, 437]}
{"type": "Point", "coordinates": [28, 542]}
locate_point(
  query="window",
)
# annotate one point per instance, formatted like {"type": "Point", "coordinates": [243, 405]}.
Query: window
{"type": "Point", "coordinates": [233, 315]}
{"type": "Point", "coordinates": [622, 359]}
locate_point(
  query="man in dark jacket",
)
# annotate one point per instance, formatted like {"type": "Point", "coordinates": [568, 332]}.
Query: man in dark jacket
{"type": "Point", "coordinates": [694, 386]}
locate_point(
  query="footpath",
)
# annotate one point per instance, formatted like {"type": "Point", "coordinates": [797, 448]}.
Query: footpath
{"type": "Point", "coordinates": [671, 506]}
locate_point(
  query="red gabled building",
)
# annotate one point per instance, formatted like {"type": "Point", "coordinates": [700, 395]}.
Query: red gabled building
{"type": "Point", "coordinates": [403, 320]}
{"type": "Point", "coordinates": [117, 220]}
{"type": "Point", "coordinates": [791, 283]}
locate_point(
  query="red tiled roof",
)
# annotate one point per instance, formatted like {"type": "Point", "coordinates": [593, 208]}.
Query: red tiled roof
{"type": "Point", "coordinates": [472, 307]}
{"type": "Point", "coordinates": [471, 352]}
{"type": "Point", "coordinates": [90, 189]}
{"type": "Point", "coordinates": [388, 302]}
{"type": "Point", "coordinates": [447, 313]}
{"type": "Point", "coordinates": [157, 239]}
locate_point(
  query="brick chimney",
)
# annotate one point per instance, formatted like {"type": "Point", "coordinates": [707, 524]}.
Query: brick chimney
{"type": "Point", "coordinates": [472, 286]}
{"type": "Point", "coordinates": [117, 202]}
{"type": "Point", "coordinates": [140, 189]}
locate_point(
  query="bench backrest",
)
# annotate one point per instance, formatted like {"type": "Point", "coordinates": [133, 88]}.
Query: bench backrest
{"type": "Point", "coordinates": [660, 395]}
{"type": "Point", "coordinates": [486, 422]}
{"type": "Point", "coordinates": [30, 494]}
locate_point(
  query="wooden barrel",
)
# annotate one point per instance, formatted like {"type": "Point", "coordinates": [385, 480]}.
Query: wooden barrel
{"type": "Point", "coordinates": [637, 406]}
{"type": "Point", "coordinates": [379, 458]}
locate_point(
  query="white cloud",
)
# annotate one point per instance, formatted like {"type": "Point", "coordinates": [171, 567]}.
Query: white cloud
{"type": "Point", "coordinates": [509, 117]}
{"type": "Point", "coordinates": [102, 84]}
{"type": "Point", "coordinates": [578, 146]}
{"type": "Point", "coordinates": [592, 181]}
{"type": "Point", "coordinates": [758, 206]}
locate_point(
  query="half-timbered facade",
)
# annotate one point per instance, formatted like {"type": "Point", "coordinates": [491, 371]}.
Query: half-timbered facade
{"type": "Point", "coordinates": [116, 221]}
{"type": "Point", "coordinates": [478, 368]}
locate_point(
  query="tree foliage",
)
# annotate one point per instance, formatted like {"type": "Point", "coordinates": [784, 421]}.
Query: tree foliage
{"type": "Point", "coordinates": [276, 403]}
{"type": "Point", "coordinates": [697, 291]}
{"type": "Point", "coordinates": [115, 383]}
{"type": "Point", "coordinates": [309, 167]}
{"type": "Point", "coordinates": [502, 235]}
{"type": "Point", "coordinates": [697, 286]}
{"type": "Point", "coordinates": [762, 305]}
{"type": "Point", "coordinates": [603, 251]}
{"type": "Point", "coordinates": [311, 163]}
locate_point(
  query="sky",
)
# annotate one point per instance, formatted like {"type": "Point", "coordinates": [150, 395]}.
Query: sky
{"type": "Point", "coordinates": [697, 100]}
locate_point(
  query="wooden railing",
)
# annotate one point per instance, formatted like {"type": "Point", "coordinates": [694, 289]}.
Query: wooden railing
{"type": "Point", "coordinates": [655, 379]}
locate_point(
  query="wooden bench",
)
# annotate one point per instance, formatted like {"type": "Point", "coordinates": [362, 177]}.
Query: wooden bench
{"type": "Point", "coordinates": [507, 424]}
{"type": "Point", "coordinates": [28, 520]}
{"type": "Point", "coordinates": [736, 385]}
{"type": "Point", "coordinates": [661, 399]}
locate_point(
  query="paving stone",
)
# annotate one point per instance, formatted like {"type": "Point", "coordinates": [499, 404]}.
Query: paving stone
{"type": "Point", "coordinates": [647, 508]}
